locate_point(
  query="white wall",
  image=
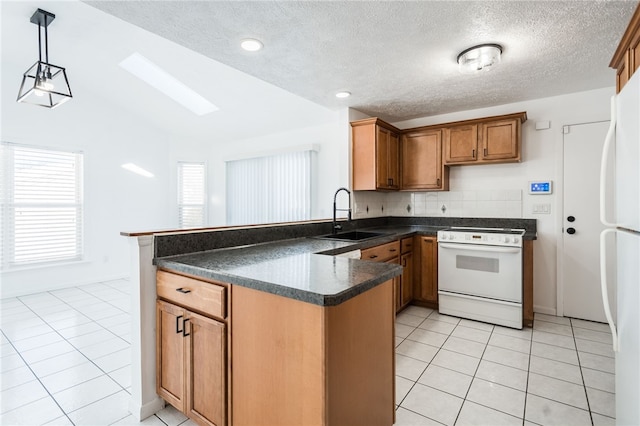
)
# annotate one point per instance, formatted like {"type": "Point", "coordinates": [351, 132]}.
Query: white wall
{"type": "Point", "coordinates": [115, 199]}
{"type": "Point", "coordinates": [500, 184]}
{"type": "Point", "coordinates": [332, 161]}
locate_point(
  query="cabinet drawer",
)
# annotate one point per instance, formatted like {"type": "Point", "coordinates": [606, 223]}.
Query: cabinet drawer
{"type": "Point", "coordinates": [208, 298]}
{"type": "Point", "coordinates": [382, 252]}
{"type": "Point", "coordinates": [406, 245]}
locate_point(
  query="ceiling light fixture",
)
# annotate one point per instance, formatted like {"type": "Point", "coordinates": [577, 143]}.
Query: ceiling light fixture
{"type": "Point", "coordinates": [44, 84]}
{"type": "Point", "coordinates": [251, 45]}
{"type": "Point", "coordinates": [343, 94]}
{"type": "Point", "coordinates": [479, 58]}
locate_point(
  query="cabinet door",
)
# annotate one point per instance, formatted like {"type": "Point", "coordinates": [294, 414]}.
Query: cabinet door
{"type": "Point", "coordinates": [397, 290]}
{"type": "Point", "coordinates": [422, 160]}
{"type": "Point", "coordinates": [394, 160]}
{"type": "Point", "coordinates": [406, 287]}
{"type": "Point", "coordinates": [500, 140]}
{"type": "Point", "coordinates": [461, 144]}
{"type": "Point", "coordinates": [383, 141]}
{"type": "Point", "coordinates": [428, 269]}
{"type": "Point", "coordinates": [387, 159]}
{"type": "Point", "coordinates": [206, 352]}
{"type": "Point", "coordinates": [170, 356]}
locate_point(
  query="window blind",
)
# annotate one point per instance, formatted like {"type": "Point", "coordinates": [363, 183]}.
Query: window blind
{"type": "Point", "coordinates": [42, 205]}
{"type": "Point", "coordinates": [191, 195]}
{"type": "Point", "coordinates": [269, 189]}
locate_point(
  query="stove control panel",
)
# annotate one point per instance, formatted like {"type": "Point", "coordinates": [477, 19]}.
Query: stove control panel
{"type": "Point", "coordinates": [483, 238]}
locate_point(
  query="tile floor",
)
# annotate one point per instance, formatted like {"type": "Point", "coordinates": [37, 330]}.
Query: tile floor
{"type": "Point", "coordinates": [455, 371]}
{"type": "Point", "coordinates": [65, 360]}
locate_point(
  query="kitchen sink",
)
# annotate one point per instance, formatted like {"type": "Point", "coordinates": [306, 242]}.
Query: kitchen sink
{"type": "Point", "coordinates": [352, 236]}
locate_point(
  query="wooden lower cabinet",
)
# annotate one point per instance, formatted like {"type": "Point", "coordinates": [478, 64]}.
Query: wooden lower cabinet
{"type": "Point", "coordinates": [295, 363]}
{"type": "Point", "coordinates": [426, 283]}
{"type": "Point", "coordinates": [191, 363]}
{"type": "Point", "coordinates": [191, 347]}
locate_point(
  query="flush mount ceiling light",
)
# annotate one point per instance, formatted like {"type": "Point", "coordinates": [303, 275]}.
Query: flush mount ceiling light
{"type": "Point", "coordinates": [44, 84]}
{"type": "Point", "coordinates": [343, 94]}
{"type": "Point", "coordinates": [251, 44]}
{"type": "Point", "coordinates": [479, 58]}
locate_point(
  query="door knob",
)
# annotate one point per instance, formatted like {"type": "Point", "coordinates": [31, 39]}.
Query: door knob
{"type": "Point", "coordinates": [571, 231]}
{"type": "Point", "coordinates": [571, 219]}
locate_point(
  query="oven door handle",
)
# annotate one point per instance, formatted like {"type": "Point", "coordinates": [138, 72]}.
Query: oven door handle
{"type": "Point", "coordinates": [474, 247]}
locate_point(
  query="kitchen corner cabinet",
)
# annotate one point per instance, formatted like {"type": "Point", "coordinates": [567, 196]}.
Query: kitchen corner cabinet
{"type": "Point", "coordinates": [426, 284]}
{"type": "Point", "coordinates": [406, 279]}
{"type": "Point", "coordinates": [488, 140]}
{"type": "Point", "coordinates": [191, 355]}
{"type": "Point", "coordinates": [626, 59]}
{"type": "Point", "coordinates": [388, 253]}
{"type": "Point", "coordinates": [422, 167]}
{"type": "Point", "coordinates": [375, 155]}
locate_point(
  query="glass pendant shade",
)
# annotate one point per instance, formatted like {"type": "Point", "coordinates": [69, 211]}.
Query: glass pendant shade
{"type": "Point", "coordinates": [479, 58]}
{"type": "Point", "coordinates": [44, 84]}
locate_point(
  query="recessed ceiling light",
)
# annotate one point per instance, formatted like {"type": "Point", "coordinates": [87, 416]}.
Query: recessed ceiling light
{"type": "Point", "coordinates": [137, 170]}
{"type": "Point", "coordinates": [251, 44]}
{"type": "Point", "coordinates": [343, 94]}
{"type": "Point", "coordinates": [161, 80]}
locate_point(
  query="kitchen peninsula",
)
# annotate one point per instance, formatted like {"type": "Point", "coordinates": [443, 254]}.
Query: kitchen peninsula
{"type": "Point", "coordinates": [304, 335]}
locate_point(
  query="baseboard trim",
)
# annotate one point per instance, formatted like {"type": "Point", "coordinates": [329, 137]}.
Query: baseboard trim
{"type": "Point", "coordinates": [141, 412]}
{"type": "Point", "coordinates": [544, 310]}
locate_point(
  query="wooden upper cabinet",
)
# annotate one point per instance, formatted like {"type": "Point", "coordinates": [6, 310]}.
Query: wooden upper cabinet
{"type": "Point", "coordinates": [421, 164]}
{"type": "Point", "coordinates": [500, 140]}
{"type": "Point", "coordinates": [626, 58]}
{"type": "Point", "coordinates": [484, 140]}
{"type": "Point", "coordinates": [375, 155]}
{"type": "Point", "coordinates": [461, 144]}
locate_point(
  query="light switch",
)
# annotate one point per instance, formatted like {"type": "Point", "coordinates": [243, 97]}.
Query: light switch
{"type": "Point", "coordinates": [541, 209]}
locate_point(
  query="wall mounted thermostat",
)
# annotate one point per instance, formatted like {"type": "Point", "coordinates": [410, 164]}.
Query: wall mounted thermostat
{"type": "Point", "coordinates": [538, 187]}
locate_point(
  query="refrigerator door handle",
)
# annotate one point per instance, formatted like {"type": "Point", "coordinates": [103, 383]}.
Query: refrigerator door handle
{"type": "Point", "coordinates": [603, 285]}
{"type": "Point", "coordinates": [608, 142]}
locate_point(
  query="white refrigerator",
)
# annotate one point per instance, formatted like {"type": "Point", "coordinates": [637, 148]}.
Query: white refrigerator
{"type": "Point", "coordinates": [623, 224]}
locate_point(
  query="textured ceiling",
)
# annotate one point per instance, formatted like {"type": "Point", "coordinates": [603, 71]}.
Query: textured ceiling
{"type": "Point", "coordinates": [398, 58]}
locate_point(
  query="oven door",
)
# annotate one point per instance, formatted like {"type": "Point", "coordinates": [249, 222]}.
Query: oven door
{"type": "Point", "coordinates": [479, 270]}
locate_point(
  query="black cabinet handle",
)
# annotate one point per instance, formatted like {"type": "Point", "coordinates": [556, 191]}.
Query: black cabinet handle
{"type": "Point", "coordinates": [392, 250]}
{"type": "Point", "coordinates": [571, 219]}
{"type": "Point", "coordinates": [183, 290]}
{"type": "Point", "coordinates": [473, 153]}
{"type": "Point", "coordinates": [438, 182]}
{"type": "Point", "coordinates": [571, 231]}
{"type": "Point", "coordinates": [184, 328]}
{"type": "Point", "coordinates": [178, 318]}
{"type": "Point", "coordinates": [373, 256]}
{"type": "Point", "coordinates": [485, 152]}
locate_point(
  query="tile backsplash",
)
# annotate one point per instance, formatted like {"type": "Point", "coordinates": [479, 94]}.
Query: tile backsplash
{"type": "Point", "coordinates": [478, 203]}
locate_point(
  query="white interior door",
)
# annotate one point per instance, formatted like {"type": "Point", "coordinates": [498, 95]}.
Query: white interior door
{"type": "Point", "coordinates": [580, 266]}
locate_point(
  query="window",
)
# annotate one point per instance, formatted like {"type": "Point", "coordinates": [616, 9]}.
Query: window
{"type": "Point", "coordinates": [191, 195]}
{"type": "Point", "coordinates": [269, 189]}
{"type": "Point", "coordinates": [42, 205]}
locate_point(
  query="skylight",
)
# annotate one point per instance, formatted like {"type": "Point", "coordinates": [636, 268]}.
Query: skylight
{"type": "Point", "coordinates": [161, 80]}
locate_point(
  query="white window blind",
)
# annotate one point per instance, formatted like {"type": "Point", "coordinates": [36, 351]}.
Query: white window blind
{"type": "Point", "coordinates": [42, 205]}
{"type": "Point", "coordinates": [191, 194]}
{"type": "Point", "coordinates": [269, 189]}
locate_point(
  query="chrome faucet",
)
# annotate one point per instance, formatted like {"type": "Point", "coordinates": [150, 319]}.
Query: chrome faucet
{"type": "Point", "coordinates": [337, 227]}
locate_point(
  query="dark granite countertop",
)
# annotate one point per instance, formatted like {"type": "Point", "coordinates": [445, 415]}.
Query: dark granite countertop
{"type": "Point", "coordinates": [292, 268]}
{"type": "Point", "coordinates": [309, 268]}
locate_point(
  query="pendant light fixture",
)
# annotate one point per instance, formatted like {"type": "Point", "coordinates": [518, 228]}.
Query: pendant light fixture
{"type": "Point", "coordinates": [479, 58]}
{"type": "Point", "coordinates": [44, 84]}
